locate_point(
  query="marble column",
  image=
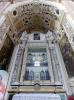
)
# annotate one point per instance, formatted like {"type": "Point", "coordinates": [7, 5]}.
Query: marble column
{"type": "Point", "coordinates": [19, 60]}
{"type": "Point", "coordinates": [17, 68]}
{"type": "Point", "coordinates": [23, 65]}
{"type": "Point", "coordinates": [54, 64]}
{"type": "Point", "coordinates": [50, 66]}
{"type": "Point", "coordinates": [49, 58]}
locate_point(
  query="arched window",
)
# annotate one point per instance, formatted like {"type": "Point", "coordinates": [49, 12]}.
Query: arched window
{"type": "Point", "coordinates": [26, 75]}
{"type": "Point", "coordinates": [42, 75]}
{"type": "Point", "coordinates": [31, 75]}
{"type": "Point", "coordinates": [47, 75]}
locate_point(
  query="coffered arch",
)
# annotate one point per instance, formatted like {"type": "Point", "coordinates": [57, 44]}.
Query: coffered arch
{"type": "Point", "coordinates": [31, 16]}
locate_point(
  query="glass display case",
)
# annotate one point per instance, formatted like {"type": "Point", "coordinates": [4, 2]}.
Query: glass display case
{"type": "Point", "coordinates": [37, 64]}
